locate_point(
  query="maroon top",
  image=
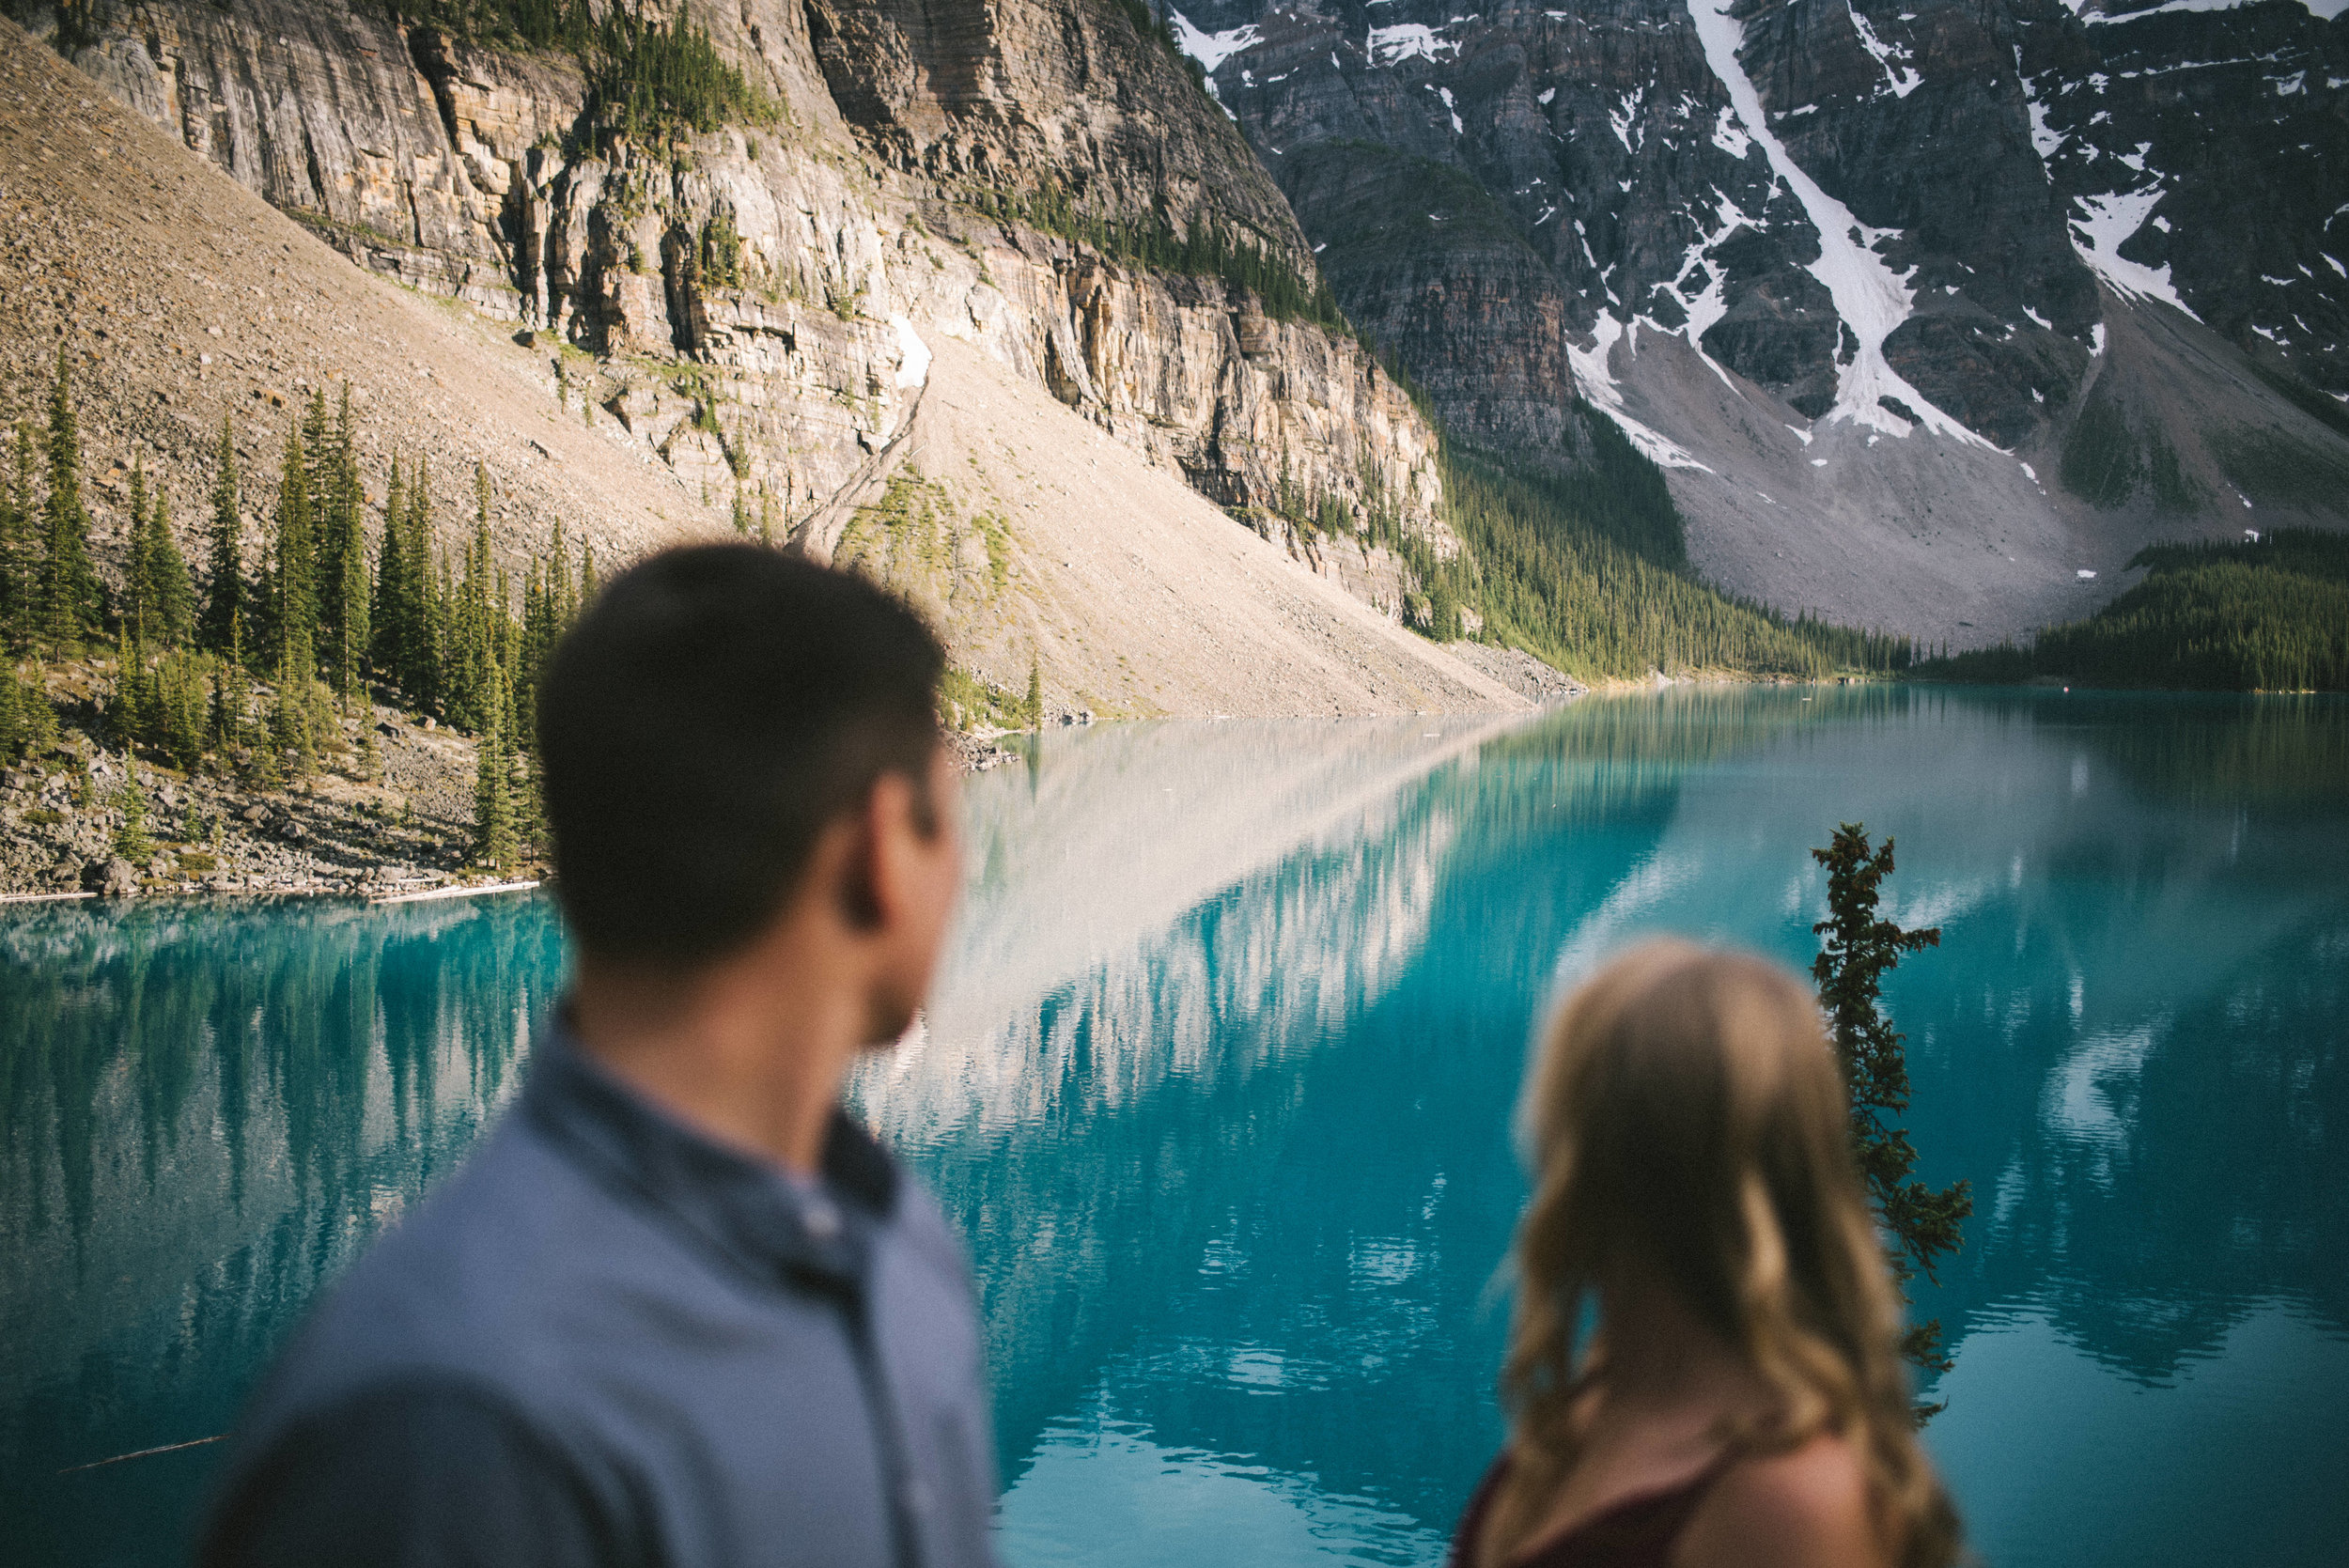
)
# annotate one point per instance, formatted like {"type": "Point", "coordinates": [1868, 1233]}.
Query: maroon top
{"type": "Point", "coordinates": [1637, 1532]}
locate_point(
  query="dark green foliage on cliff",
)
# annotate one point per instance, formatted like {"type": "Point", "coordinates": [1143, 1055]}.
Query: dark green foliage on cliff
{"type": "Point", "coordinates": [1149, 24]}
{"type": "Point", "coordinates": [1203, 249]}
{"type": "Point", "coordinates": [495, 842]}
{"type": "Point", "coordinates": [526, 24]}
{"type": "Point", "coordinates": [1855, 950]}
{"type": "Point", "coordinates": [2267, 616]}
{"type": "Point", "coordinates": [1584, 573]}
{"type": "Point", "coordinates": [647, 80]}
{"type": "Point", "coordinates": [158, 603]}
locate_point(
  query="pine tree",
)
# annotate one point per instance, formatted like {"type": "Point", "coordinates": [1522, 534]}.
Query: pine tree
{"type": "Point", "coordinates": [342, 569]}
{"type": "Point", "coordinates": [224, 609]}
{"type": "Point", "coordinates": [232, 699]}
{"type": "Point", "coordinates": [72, 604]}
{"type": "Point", "coordinates": [1922, 1223]}
{"type": "Point", "coordinates": [20, 547]}
{"type": "Point", "coordinates": [385, 650]}
{"type": "Point", "coordinates": [136, 610]}
{"type": "Point", "coordinates": [290, 737]}
{"type": "Point", "coordinates": [175, 714]}
{"type": "Point", "coordinates": [1033, 707]}
{"type": "Point", "coordinates": [475, 652]}
{"type": "Point", "coordinates": [127, 715]}
{"type": "Point", "coordinates": [493, 802]}
{"type": "Point", "coordinates": [290, 605]}
{"type": "Point", "coordinates": [405, 618]}
{"type": "Point", "coordinates": [563, 595]}
{"type": "Point", "coordinates": [165, 574]}
{"type": "Point", "coordinates": [131, 840]}
{"type": "Point", "coordinates": [29, 723]}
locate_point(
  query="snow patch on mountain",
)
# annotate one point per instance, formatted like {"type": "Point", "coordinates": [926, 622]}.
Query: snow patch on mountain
{"type": "Point", "coordinates": [1624, 118]}
{"type": "Point", "coordinates": [1893, 58]}
{"type": "Point", "coordinates": [1870, 299]}
{"type": "Point", "coordinates": [2044, 139]}
{"type": "Point", "coordinates": [1598, 385]}
{"type": "Point", "coordinates": [1210, 49]}
{"type": "Point", "coordinates": [2107, 224]}
{"type": "Point", "coordinates": [1730, 136]}
{"type": "Point", "coordinates": [1390, 46]}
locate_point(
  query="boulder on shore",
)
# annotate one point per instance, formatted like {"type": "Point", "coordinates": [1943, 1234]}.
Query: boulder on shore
{"type": "Point", "coordinates": [111, 879]}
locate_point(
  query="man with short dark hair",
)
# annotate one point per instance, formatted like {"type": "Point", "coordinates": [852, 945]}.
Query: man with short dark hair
{"type": "Point", "coordinates": [678, 1308]}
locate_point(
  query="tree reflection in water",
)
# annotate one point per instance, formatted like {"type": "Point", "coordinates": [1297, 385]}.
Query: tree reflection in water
{"type": "Point", "coordinates": [1220, 1087]}
{"type": "Point", "coordinates": [209, 1108]}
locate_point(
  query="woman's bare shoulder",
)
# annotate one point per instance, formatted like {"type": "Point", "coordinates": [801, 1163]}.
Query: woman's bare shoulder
{"type": "Point", "coordinates": [1806, 1508]}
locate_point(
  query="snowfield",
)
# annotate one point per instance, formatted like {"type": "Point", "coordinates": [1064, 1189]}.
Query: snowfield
{"type": "Point", "coordinates": [1870, 299]}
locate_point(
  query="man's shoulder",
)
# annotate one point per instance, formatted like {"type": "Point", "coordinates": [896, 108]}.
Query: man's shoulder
{"type": "Point", "coordinates": [460, 1291]}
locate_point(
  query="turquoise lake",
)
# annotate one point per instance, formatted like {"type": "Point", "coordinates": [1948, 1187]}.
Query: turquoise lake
{"type": "Point", "coordinates": [1219, 1086]}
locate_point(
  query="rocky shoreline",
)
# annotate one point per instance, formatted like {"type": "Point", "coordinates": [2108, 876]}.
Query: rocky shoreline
{"type": "Point", "coordinates": [373, 821]}
{"type": "Point", "coordinates": [403, 825]}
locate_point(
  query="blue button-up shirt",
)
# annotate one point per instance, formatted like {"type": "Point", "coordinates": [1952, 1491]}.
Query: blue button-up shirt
{"type": "Point", "coordinates": [609, 1340]}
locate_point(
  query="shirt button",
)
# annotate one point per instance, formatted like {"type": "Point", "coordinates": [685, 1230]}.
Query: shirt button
{"type": "Point", "coordinates": [821, 1218]}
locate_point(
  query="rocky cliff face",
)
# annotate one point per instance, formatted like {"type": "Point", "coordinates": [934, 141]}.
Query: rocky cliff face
{"type": "Point", "coordinates": [1863, 221]}
{"type": "Point", "coordinates": [1912, 201]}
{"type": "Point", "coordinates": [749, 303]}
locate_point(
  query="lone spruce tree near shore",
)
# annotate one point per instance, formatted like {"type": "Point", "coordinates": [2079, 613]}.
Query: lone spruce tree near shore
{"type": "Point", "coordinates": [1922, 1224]}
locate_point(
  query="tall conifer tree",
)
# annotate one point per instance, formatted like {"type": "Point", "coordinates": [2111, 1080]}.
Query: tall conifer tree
{"type": "Point", "coordinates": [20, 547]}
{"type": "Point", "coordinates": [225, 610]}
{"type": "Point", "coordinates": [72, 604]}
{"type": "Point", "coordinates": [1856, 952]}
{"type": "Point", "coordinates": [163, 580]}
{"type": "Point", "coordinates": [290, 605]}
{"type": "Point", "coordinates": [136, 611]}
{"type": "Point", "coordinates": [342, 574]}
{"type": "Point", "coordinates": [385, 644]}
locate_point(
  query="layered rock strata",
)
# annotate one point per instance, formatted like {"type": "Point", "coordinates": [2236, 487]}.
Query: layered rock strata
{"type": "Point", "coordinates": [733, 299]}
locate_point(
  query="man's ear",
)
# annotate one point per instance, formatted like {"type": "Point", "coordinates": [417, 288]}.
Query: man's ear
{"type": "Point", "coordinates": [897, 806]}
{"type": "Point", "coordinates": [856, 886]}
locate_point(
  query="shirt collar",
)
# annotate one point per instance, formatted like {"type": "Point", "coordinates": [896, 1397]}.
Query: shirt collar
{"type": "Point", "coordinates": [814, 1232]}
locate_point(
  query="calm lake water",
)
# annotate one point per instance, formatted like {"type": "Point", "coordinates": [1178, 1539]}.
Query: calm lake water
{"type": "Point", "coordinates": [1220, 1087]}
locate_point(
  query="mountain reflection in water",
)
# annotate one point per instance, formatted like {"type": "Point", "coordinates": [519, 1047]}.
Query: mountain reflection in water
{"type": "Point", "coordinates": [1219, 1084]}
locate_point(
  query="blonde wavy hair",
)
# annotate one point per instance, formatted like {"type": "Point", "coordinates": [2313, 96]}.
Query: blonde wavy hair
{"type": "Point", "coordinates": [1688, 1120]}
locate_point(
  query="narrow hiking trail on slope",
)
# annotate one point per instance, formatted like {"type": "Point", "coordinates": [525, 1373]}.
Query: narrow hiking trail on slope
{"type": "Point", "coordinates": [1029, 536]}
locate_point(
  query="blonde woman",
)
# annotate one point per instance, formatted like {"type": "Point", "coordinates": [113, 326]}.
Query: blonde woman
{"type": "Point", "coordinates": [1739, 1396]}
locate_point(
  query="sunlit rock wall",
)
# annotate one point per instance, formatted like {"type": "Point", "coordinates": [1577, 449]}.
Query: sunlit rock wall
{"type": "Point", "coordinates": [739, 287]}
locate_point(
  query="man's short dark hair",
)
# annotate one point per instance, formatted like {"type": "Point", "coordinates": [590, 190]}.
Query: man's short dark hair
{"type": "Point", "coordinates": [714, 709]}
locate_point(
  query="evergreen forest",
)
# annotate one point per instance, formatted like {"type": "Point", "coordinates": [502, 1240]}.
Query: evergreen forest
{"type": "Point", "coordinates": [2264, 614]}
{"type": "Point", "coordinates": [245, 664]}
{"type": "Point", "coordinates": [1587, 571]}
